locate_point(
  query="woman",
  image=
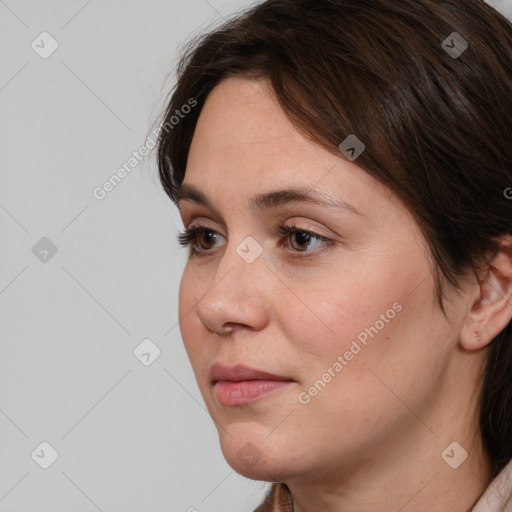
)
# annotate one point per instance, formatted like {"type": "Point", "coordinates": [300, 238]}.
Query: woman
{"type": "Point", "coordinates": [343, 169]}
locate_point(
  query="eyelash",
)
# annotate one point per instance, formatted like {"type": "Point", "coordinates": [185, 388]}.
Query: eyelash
{"type": "Point", "coordinates": [190, 235]}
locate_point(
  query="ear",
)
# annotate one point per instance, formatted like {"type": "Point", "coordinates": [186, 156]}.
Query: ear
{"type": "Point", "coordinates": [491, 306]}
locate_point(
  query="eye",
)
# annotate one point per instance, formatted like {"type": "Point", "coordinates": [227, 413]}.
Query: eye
{"type": "Point", "coordinates": [300, 240]}
{"type": "Point", "coordinates": [302, 237]}
{"type": "Point", "coordinates": [190, 236]}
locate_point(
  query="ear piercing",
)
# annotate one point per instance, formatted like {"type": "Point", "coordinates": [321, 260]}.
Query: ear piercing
{"type": "Point", "coordinates": [478, 337]}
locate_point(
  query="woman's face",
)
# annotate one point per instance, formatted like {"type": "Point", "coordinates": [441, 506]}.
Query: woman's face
{"type": "Point", "coordinates": [351, 323]}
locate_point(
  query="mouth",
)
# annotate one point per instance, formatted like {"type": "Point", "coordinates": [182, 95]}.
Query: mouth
{"type": "Point", "coordinates": [240, 385]}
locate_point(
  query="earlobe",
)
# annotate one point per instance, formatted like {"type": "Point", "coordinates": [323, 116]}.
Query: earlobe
{"type": "Point", "coordinates": [491, 311]}
{"type": "Point", "coordinates": [474, 338]}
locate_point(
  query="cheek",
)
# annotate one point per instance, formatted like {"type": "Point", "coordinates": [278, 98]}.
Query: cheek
{"type": "Point", "coordinates": [360, 330]}
{"type": "Point", "coordinates": [392, 353]}
{"type": "Point", "coordinates": [342, 312]}
{"type": "Point", "coordinates": [190, 293]}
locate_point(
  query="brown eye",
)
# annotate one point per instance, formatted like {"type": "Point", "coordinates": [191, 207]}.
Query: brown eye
{"type": "Point", "coordinates": [302, 238]}
{"type": "Point", "coordinates": [209, 237]}
{"type": "Point", "coordinates": [198, 239]}
{"type": "Point", "coordinates": [201, 241]}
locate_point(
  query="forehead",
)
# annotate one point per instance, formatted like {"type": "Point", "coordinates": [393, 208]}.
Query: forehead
{"type": "Point", "coordinates": [245, 145]}
{"type": "Point", "coordinates": [242, 118]}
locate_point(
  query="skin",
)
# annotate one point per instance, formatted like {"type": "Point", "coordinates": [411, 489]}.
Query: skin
{"type": "Point", "coordinates": [372, 438]}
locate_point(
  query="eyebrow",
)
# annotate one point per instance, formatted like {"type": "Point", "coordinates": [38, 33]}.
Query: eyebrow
{"type": "Point", "coordinates": [272, 199]}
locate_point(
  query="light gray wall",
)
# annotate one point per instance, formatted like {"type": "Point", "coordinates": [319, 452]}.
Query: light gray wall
{"type": "Point", "coordinates": [130, 437]}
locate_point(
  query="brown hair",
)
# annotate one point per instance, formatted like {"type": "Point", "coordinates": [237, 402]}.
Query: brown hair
{"type": "Point", "coordinates": [437, 127]}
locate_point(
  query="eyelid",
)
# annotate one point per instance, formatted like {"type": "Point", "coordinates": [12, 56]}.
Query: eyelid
{"type": "Point", "coordinates": [279, 221]}
{"type": "Point", "coordinates": [192, 215]}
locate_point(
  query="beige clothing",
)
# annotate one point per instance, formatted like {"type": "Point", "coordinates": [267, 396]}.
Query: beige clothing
{"type": "Point", "coordinates": [498, 496]}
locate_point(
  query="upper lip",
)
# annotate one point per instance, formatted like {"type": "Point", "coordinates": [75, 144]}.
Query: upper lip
{"type": "Point", "coordinates": [239, 373]}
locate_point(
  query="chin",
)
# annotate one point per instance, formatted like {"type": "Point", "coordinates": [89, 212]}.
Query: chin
{"type": "Point", "coordinates": [264, 469]}
{"type": "Point", "coordinates": [256, 457]}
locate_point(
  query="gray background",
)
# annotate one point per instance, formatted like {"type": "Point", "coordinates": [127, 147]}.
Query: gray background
{"type": "Point", "coordinates": [129, 436]}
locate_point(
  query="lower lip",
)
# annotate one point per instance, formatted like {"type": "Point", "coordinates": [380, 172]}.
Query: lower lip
{"type": "Point", "coordinates": [239, 393]}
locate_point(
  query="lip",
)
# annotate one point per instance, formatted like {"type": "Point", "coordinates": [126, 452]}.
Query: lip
{"type": "Point", "coordinates": [240, 373]}
{"type": "Point", "coordinates": [239, 385]}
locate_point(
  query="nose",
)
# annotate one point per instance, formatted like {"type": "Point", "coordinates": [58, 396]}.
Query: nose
{"type": "Point", "coordinates": [237, 296]}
